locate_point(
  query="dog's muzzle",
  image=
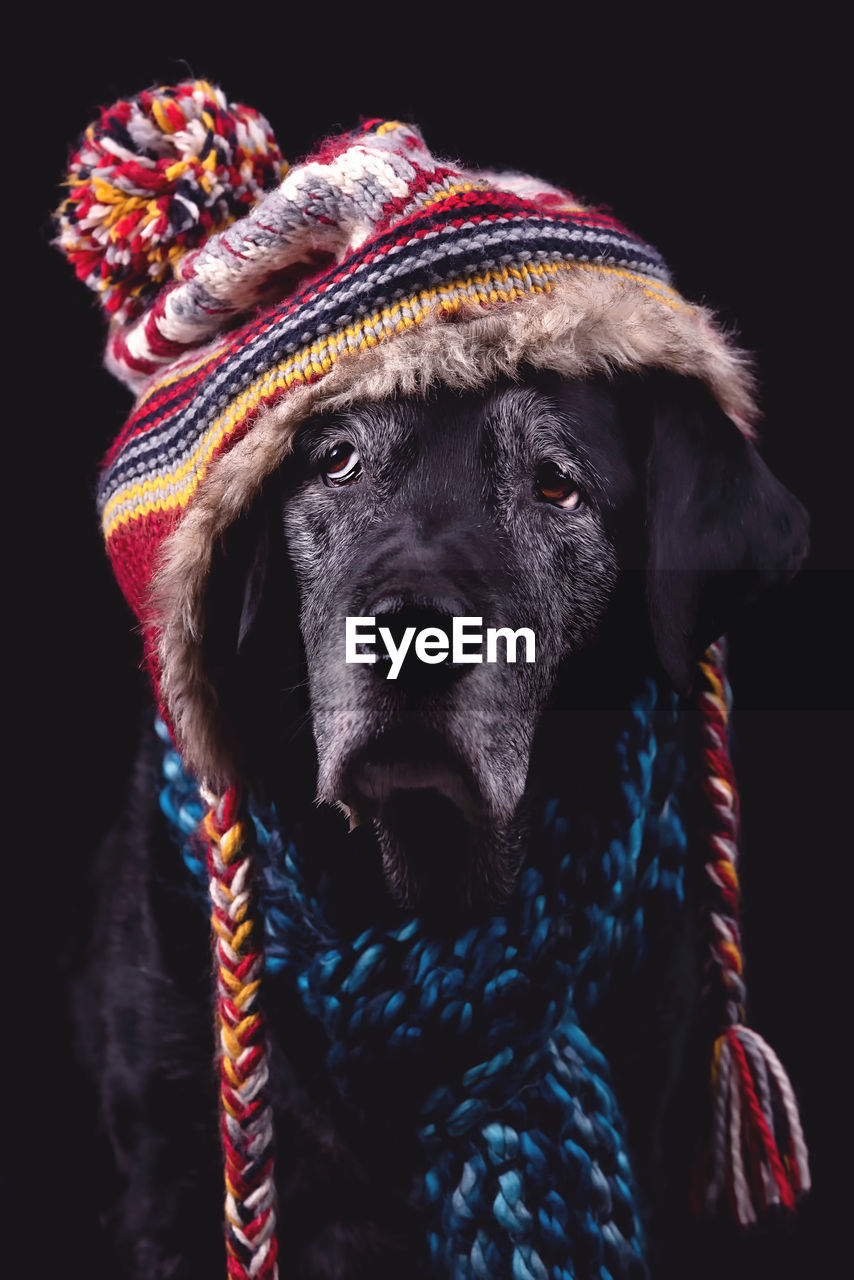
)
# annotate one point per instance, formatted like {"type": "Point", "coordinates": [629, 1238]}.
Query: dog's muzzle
{"type": "Point", "coordinates": [408, 763]}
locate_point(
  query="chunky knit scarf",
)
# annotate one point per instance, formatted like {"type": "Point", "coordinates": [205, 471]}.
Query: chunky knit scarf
{"type": "Point", "coordinates": [477, 1039]}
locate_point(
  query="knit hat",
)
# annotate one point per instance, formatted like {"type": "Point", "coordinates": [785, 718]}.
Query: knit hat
{"type": "Point", "coordinates": [242, 297]}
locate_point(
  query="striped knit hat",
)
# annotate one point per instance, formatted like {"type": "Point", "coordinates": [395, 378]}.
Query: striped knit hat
{"type": "Point", "coordinates": [243, 296]}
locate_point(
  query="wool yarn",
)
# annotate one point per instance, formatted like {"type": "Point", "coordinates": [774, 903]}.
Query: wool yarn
{"type": "Point", "coordinates": [748, 1081]}
{"type": "Point", "coordinates": [242, 297]}
{"type": "Point", "coordinates": [155, 176]}
{"type": "Point", "coordinates": [373, 268]}
{"type": "Point", "coordinates": [524, 1167]}
{"type": "Point", "coordinates": [246, 1118]}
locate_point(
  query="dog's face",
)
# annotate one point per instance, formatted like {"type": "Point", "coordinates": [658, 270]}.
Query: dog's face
{"type": "Point", "coordinates": [531, 506]}
{"type": "Point", "coordinates": [498, 507]}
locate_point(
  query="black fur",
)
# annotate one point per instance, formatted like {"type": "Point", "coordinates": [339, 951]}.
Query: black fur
{"type": "Point", "coordinates": [683, 526]}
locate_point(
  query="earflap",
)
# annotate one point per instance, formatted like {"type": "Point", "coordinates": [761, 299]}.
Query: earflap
{"type": "Point", "coordinates": [152, 179]}
{"type": "Point", "coordinates": [757, 1157]}
{"type": "Point", "coordinates": [722, 528]}
{"type": "Point", "coordinates": [246, 1115]}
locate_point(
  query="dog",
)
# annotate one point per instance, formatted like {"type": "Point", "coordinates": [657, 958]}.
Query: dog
{"type": "Point", "coordinates": [627, 524]}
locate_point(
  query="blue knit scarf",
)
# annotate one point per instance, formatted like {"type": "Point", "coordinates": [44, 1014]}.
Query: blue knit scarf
{"type": "Point", "coordinates": [477, 1038]}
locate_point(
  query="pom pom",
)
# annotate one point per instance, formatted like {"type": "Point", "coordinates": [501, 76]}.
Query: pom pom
{"type": "Point", "coordinates": [758, 1154]}
{"type": "Point", "coordinates": [152, 179]}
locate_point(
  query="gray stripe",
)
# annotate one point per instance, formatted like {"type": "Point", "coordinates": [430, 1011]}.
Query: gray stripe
{"type": "Point", "coordinates": [244, 365]}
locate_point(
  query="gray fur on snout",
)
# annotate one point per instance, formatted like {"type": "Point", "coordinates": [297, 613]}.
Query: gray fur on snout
{"type": "Point", "coordinates": [446, 508]}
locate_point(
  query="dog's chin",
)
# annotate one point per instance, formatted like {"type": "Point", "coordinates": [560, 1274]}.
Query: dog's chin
{"type": "Point", "coordinates": [435, 860]}
{"type": "Point", "coordinates": [441, 851]}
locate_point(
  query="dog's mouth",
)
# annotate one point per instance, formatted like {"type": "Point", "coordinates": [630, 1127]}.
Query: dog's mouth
{"type": "Point", "coordinates": [439, 847]}
{"type": "Point", "coordinates": [405, 768]}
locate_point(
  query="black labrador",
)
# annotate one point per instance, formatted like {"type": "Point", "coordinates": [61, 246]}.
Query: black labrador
{"type": "Point", "coordinates": [626, 525]}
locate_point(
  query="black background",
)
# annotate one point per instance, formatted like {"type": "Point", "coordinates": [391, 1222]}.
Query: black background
{"type": "Point", "coordinates": [717, 147]}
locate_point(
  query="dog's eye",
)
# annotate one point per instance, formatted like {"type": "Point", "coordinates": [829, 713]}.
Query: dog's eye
{"type": "Point", "coordinates": [342, 464]}
{"type": "Point", "coordinates": [555, 486]}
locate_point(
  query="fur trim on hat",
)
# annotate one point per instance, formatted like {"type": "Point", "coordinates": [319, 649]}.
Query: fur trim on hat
{"type": "Point", "coordinates": [589, 324]}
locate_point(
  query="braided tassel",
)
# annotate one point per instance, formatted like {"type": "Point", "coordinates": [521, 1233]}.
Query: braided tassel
{"type": "Point", "coordinates": [246, 1122]}
{"type": "Point", "coordinates": [758, 1156]}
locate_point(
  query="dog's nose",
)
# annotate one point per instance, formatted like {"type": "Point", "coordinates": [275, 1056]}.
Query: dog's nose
{"type": "Point", "coordinates": [403, 614]}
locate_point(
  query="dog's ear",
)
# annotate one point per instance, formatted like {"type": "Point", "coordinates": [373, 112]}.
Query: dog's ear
{"type": "Point", "coordinates": [722, 529]}
{"type": "Point", "coordinates": [259, 571]}
{"type": "Point", "coordinates": [253, 650]}
{"type": "Point", "coordinates": [240, 584]}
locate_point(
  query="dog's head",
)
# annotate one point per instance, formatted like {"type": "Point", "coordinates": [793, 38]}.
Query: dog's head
{"type": "Point", "coordinates": [539, 502]}
{"type": "Point", "coordinates": [570, 514]}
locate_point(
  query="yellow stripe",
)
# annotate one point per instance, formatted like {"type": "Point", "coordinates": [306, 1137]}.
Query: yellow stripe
{"type": "Point", "coordinates": [653, 289]}
{"type": "Point", "coordinates": [458, 189]}
{"type": "Point", "coordinates": [321, 357]}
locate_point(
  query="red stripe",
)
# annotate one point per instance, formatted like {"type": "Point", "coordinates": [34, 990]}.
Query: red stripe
{"type": "Point", "coordinates": [134, 557]}
{"type": "Point", "coordinates": [185, 388]}
{"type": "Point", "coordinates": [121, 353]}
{"type": "Point", "coordinates": [409, 231]}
